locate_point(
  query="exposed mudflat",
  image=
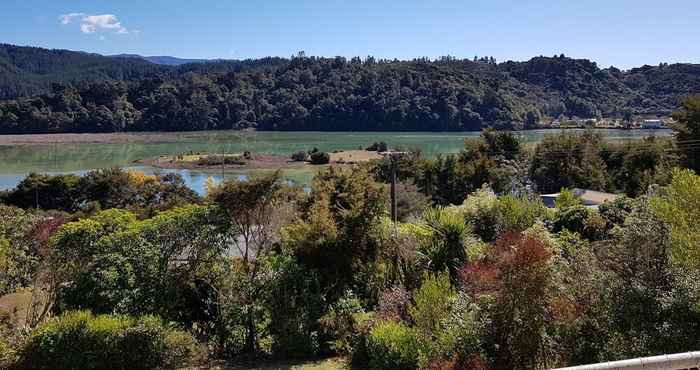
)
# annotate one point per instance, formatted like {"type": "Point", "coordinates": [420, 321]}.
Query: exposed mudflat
{"type": "Point", "coordinates": [106, 138]}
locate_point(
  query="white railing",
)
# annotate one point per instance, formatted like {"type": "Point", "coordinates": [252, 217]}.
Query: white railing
{"type": "Point", "coordinates": [678, 361]}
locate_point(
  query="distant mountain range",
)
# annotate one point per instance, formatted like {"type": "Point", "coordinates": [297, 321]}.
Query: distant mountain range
{"type": "Point", "coordinates": [163, 60]}
{"type": "Point", "coordinates": [27, 71]}
{"type": "Point", "coordinates": [68, 91]}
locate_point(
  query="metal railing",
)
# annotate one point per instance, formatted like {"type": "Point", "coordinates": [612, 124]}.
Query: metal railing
{"type": "Point", "coordinates": [678, 361]}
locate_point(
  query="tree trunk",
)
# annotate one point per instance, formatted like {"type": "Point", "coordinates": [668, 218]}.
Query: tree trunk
{"type": "Point", "coordinates": [250, 345]}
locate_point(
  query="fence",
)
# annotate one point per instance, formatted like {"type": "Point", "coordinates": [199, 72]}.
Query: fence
{"type": "Point", "coordinates": [678, 361]}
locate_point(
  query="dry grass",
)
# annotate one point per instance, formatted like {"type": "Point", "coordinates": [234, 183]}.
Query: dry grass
{"type": "Point", "coordinates": [191, 158]}
{"type": "Point", "coordinates": [354, 156]}
{"type": "Point", "coordinates": [327, 364]}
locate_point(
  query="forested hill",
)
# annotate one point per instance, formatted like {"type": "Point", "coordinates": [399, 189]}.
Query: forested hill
{"type": "Point", "coordinates": [28, 71]}
{"type": "Point", "coordinates": [81, 92]}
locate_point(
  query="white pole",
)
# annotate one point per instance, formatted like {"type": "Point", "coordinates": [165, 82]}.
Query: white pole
{"type": "Point", "coordinates": [678, 361]}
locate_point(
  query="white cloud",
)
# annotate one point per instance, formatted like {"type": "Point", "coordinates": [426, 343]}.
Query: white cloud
{"type": "Point", "coordinates": [67, 18]}
{"type": "Point", "coordinates": [91, 23]}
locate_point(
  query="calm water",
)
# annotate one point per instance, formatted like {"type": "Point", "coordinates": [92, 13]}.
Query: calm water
{"type": "Point", "coordinates": [16, 161]}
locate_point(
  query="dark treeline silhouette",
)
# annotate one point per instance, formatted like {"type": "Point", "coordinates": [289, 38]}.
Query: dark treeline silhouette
{"type": "Point", "coordinates": [82, 92]}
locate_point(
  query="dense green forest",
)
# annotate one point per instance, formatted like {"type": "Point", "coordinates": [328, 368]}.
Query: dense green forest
{"type": "Point", "coordinates": [119, 270]}
{"type": "Point", "coordinates": [28, 71]}
{"type": "Point", "coordinates": [62, 91]}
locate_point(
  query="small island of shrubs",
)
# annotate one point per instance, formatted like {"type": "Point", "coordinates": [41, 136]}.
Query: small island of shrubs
{"type": "Point", "coordinates": [314, 156]}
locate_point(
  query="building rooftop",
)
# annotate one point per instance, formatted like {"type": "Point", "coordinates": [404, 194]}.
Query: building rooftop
{"type": "Point", "coordinates": [589, 198]}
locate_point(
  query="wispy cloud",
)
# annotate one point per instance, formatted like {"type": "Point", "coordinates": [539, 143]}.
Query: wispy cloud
{"type": "Point", "coordinates": [91, 23]}
{"type": "Point", "coordinates": [67, 18]}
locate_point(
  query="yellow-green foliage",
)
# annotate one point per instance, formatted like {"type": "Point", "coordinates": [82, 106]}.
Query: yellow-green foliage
{"type": "Point", "coordinates": [483, 198]}
{"type": "Point", "coordinates": [114, 219]}
{"type": "Point", "coordinates": [566, 199]}
{"type": "Point", "coordinates": [431, 313]}
{"type": "Point", "coordinates": [318, 228]}
{"type": "Point", "coordinates": [81, 340]}
{"type": "Point", "coordinates": [139, 178]}
{"type": "Point", "coordinates": [517, 214]}
{"type": "Point", "coordinates": [210, 185]}
{"type": "Point", "coordinates": [112, 262]}
{"type": "Point", "coordinates": [421, 231]}
{"type": "Point", "coordinates": [491, 216]}
{"type": "Point", "coordinates": [17, 259]}
{"type": "Point", "coordinates": [6, 354]}
{"type": "Point", "coordinates": [539, 231]}
{"type": "Point", "coordinates": [680, 209]}
{"type": "Point", "coordinates": [393, 345]}
{"type": "Point", "coordinates": [4, 254]}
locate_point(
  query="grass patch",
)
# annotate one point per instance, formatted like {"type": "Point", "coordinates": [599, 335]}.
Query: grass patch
{"type": "Point", "coordinates": [327, 364]}
{"type": "Point", "coordinates": [191, 158]}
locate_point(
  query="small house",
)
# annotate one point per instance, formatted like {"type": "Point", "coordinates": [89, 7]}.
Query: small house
{"type": "Point", "coordinates": [589, 198]}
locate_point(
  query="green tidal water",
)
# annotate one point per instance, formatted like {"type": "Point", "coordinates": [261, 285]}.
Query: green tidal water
{"type": "Point", "coordinates": [18, 160]}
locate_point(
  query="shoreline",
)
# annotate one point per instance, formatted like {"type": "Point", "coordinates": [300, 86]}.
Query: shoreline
{"type": "Point", "coordinates": [154, 137]}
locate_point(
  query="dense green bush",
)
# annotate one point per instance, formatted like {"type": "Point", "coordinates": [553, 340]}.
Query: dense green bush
{"type": "Point", "coordinates": [450, 236]}
{"type": "Point", "coordinates": [341, 321]}
{"type": "Point", "coordinates": [80, 340]}
{"type": "Point", "coordinates": [101, 189]}
{"type": "Point", "coordinates": [18, 254]}
{"type": "Point", "coordinates": [45, 191]}
{"type": "Point", "coordinates": [572, 219]}
{"type": "Point", "coordinates": [567, 199]}
{"type": "Point", "coordinates": [431, 315]}
{"type": "Point", "coordinates": [295, 304]}
{"type": "Point", "coordinates": [616, 212]}
{"type": "Point", "coordinates": [6, 354]}
{"type": "Point", "coordinates": [493, 216]}
{"type": "Point", "coordinates": [435, 332]}
{"type": "Point", "coordinates": [480, 210]}
{"type": "Point", "coordinates": [300, 156]}
{"type": "Point", "coordinates": [392, 345]}
{"type": "Point", "coordinates": [109, 261]}
{"type": "Point", "coordinates": [516, 214]}
{"type": "Point", "coordinates": [320, 158]}
{"type": "Point", "coordinates": [378, 147]}
{"type": "Point", "coordinates": [215, 159]}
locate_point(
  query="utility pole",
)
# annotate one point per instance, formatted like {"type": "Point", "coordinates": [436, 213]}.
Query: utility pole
{"type": "Point", "coordinates": [223, 163]}
{"type": "Point", "coordinates": [393, 189]}
{"type": "Point", "coordinates": [394, 158]}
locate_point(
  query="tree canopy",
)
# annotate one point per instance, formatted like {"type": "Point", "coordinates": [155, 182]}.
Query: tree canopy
{"type": "Point", "coordinates": [61, 91]}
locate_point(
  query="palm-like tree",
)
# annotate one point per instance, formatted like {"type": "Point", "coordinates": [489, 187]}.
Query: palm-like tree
{"type": "Point", "coordinates": [446, 249]}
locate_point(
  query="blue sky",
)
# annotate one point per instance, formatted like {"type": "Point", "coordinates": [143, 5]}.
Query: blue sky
{"type": "Point", "coordinates": [623, 33]}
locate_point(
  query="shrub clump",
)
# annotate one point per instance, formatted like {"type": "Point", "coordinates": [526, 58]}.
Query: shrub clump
{"type": "Point", "coordinates": [6, 354]}
{"type": "Point", "coordinates": [214, 159]}
{"type": "Point", "coordinates": [572, 218]}
{"type": "Point", "coordinates": [378, 147]}
{"type": "Point", "coordinates": [320, 158]}
{"type": "Point", "coordinates": [80, 340]}
{"type": "Point", "coordinates": [300, 156]}
{"type": "Point", "coordinates": [392, 345]}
